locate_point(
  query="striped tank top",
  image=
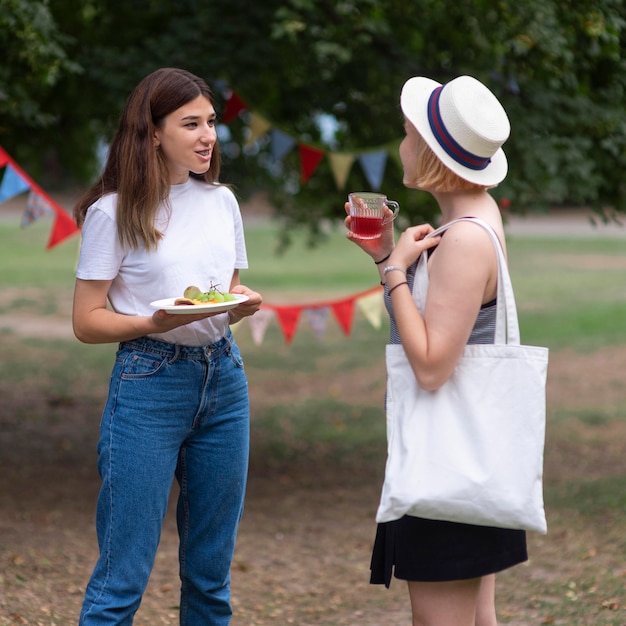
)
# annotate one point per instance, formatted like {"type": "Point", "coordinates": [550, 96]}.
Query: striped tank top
{"type": "Point", "coordinates": [484, 328]}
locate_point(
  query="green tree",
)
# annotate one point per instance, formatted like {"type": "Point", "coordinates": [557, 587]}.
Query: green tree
{"type": "Point", "coordinates": [567, 63]}
{"type": "Point", "coordinates": [557, 66]}
{"type": "Point", "coordinates": [33, 62]}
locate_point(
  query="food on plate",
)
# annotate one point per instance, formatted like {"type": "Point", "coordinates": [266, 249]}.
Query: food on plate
{"type": "Point", "coordinates": [194, 295]}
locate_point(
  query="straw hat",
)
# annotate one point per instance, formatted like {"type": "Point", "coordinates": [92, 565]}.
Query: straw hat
{"type": "Point", "coordinates": [464, 124]}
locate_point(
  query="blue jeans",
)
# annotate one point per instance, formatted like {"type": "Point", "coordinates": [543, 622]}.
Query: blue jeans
{"type": "Point", "coordinates": [171, 411]}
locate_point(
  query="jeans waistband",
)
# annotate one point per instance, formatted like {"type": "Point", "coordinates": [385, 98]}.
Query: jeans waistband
{"type": "Point", "coordinates": [175, 351]}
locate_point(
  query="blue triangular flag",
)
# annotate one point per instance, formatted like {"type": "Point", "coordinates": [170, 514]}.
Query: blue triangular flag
{"type": "Point", "coordinates": [12, 184]}
{"type": "Point", "coordinates": [373, 164]}
{"type": "Point", "coordinates": [281, 144]}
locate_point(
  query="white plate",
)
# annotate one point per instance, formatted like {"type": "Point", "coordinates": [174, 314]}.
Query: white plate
{"type": "Point", "coordinates": [167, 304]}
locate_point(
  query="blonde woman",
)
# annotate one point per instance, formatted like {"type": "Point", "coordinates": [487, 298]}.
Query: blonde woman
{"type": "Point", "coordinates": [452, 150]}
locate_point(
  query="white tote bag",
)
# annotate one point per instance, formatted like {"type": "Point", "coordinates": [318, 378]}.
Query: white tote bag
{"type": "Point", "coordinates": [471, 451]}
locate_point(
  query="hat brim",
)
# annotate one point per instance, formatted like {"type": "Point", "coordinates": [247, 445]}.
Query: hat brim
{"type": "Point", "coordinates": [414, 105]}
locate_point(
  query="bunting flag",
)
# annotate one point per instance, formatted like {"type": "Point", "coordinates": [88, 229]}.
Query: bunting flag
{"type": "Point", "coordinates": [63, 228]}
{"type": "Point", "coordinates": [344, 312]}
{"type": "Point", "coordinates": [281, 145]}
{"type": "Point", "coordinates": [234, 106]}
{"type": "Point", "coordinates": [259, 323]}
{"type": "Point", "coordinates": [373, 164]}
{"type": "Point", "coordinates": [341, 164]}
{"type": "Point", "coordinates": [310, 158]}
{"type": "Point", "coordinates": [372, 307]}
{"type": "Point", "coordinates": [18, 182]}
{"type": "Point", "coordinates": [317, 319]}
{"type": "Point", "coordinates": [288, 317]}
{"type": "Point", "coordinates": [12, 184]}
{"type": "Point", "coordinates": [258, 127]}
{"type": "Point", "coordinates": [316, 314]}
{"type": "Point", "coordinates": [373, 161]}
{"type": "Point", "coordinates": [36, 207]}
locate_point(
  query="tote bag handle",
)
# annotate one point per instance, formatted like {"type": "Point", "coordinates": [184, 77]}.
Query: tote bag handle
{"type": "Point", "coordinates": [507, 324]}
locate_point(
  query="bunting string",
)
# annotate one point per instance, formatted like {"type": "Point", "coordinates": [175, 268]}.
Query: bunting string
{"type": "Point", "coordinates": [15, 181]}
{"type": "Point", "coordinates": [317, 314]}
{"type": "Point", "coordinates": [373, 161]}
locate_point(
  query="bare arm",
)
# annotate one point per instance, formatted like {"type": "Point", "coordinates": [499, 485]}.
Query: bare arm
{"type": "Point", "coordinates": [462, 276]}
{"type": "Point", "coordinates": [94, 323]}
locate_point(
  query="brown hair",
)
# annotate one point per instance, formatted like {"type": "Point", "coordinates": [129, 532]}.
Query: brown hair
{"type": "Point", "coordinates": [431, 174]}
{"type": "Point", "coordinates": [134, 169]}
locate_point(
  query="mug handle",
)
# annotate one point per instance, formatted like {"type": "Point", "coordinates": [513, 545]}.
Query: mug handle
{"type": "Point", "coordinates": [395, 207]}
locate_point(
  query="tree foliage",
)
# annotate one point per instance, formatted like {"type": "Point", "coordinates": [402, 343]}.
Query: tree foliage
{"type": "Point", "coordinates": [557, 65]}
{"type": "Point", "coordinates": [33, 61]}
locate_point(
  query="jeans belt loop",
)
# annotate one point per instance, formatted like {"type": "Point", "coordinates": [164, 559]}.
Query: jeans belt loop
{"type": "Point", "coordinates": [176, 354]}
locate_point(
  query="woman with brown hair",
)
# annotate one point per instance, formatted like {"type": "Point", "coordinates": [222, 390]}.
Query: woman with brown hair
{"type": "Point", "coordinates": [156, 222]}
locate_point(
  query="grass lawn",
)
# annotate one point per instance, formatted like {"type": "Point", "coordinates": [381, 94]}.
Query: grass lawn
{"type": "Point", "coordinates": [317, 429]}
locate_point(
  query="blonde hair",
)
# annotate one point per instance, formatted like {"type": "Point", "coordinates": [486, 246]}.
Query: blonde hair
{"type": "Point", "coordinates": [432, 175]}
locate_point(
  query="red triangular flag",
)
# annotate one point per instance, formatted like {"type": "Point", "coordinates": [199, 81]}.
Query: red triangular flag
{"type": "Point", "coordinates": [288, 317]}
{"type": "Point", "coordinates": [63, 228]}
{"type": "Point", "coordinates": [234, 106]}
{"type": "Point", "coordinates": [309, 160]}
{"type": "Point", "coordinates": [4, 157]}
{"type": "Point", "coordinates": [344, 312]}
{"type": "Point", "coordinates": [64, 225]}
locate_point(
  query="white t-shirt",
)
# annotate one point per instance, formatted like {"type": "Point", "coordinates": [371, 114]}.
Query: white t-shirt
{"type": "Point", "coordinates": [203, 244]}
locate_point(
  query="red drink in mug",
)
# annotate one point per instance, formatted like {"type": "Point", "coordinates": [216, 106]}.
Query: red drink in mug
{"type": "Point", "coordinates": [367, 211]}
{"type": "Point", "coordinates": [366, 227]}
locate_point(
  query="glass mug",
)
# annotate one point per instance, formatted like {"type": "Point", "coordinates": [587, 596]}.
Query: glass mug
{"type": "Point", "coordinates": [367, 211]}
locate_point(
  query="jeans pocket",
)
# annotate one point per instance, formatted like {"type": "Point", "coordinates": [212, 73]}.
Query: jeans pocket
{"type": "Point", "coordinates": [141, 365]}
{"type": "Point", "coordinates": [235, 355]}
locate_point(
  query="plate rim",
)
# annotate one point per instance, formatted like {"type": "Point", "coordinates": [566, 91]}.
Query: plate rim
{"type": "Point", "coordinates": [200, 308]}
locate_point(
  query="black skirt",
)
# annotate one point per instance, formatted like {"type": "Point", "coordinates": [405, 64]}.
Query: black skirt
{"type": "Point", "coordinates": [425, 550]}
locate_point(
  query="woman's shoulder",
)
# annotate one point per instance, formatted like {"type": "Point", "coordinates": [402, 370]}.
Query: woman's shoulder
{"type": "Point", "coordinates": [106, 204]}
{"type": "Point", "coordinates": [468, 232]}
{"type": "Point", "coordinates": [466, 247]}
{"type": "Point", "coordinates": [462, 233]}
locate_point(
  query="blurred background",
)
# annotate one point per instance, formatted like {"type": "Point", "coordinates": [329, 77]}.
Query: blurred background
{"type": "Point", "coordinates": [307, 95]}
{"type": "Point", "coordinates": [324, 76]}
